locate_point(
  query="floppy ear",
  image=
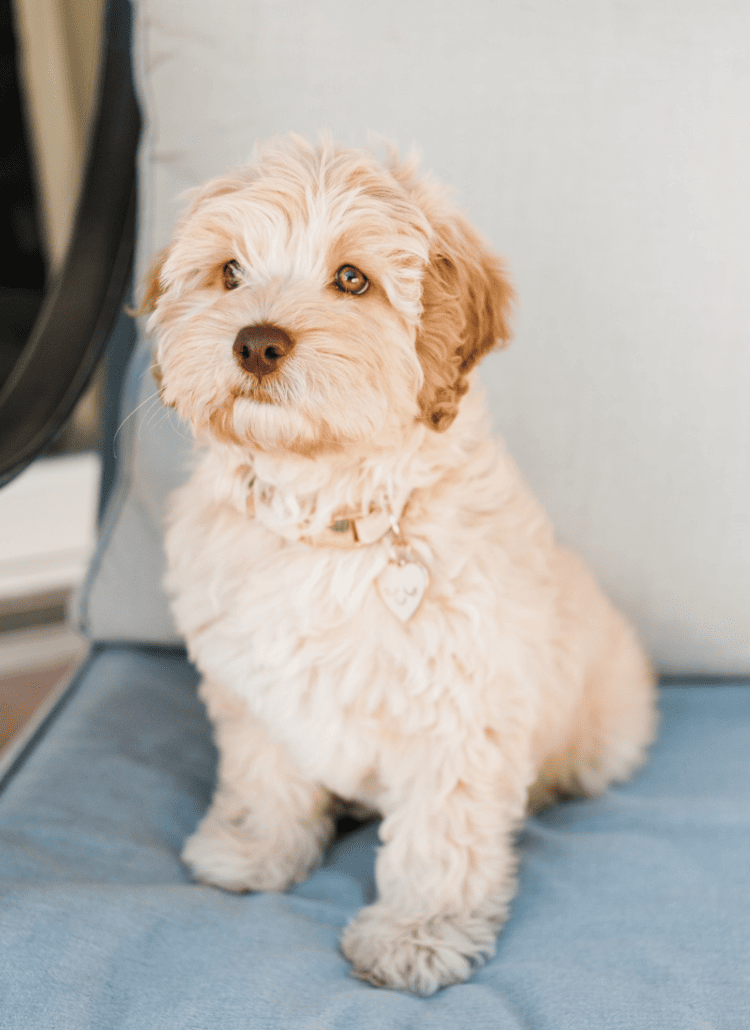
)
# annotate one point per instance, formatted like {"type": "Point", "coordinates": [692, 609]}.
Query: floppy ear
{"type": "Point", "coordinates": [466, 300]}
{"type": "Point", "coordinates": [153, 288]}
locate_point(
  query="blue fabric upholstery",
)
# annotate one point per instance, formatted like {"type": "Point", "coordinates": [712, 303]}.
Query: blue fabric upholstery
{"type": "Point", "coordinates": [632, 912]}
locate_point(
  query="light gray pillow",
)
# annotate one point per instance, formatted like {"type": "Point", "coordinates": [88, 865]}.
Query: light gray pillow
{"type": "Point", "coordinates": [606, 152]}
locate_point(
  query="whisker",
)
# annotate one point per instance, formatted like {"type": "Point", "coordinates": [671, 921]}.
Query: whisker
{"type": "Point", "coordinates": [133, 412]}
{"type": "Point", "coordinates": [147, 420]}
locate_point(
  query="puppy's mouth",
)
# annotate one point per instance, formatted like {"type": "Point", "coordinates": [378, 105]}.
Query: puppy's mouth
{"type": "Point", "coordinates": [260, 392]}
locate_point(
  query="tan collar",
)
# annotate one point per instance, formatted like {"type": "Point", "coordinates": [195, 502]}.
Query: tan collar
{"type": "Point", "coordinates": [348, 530]}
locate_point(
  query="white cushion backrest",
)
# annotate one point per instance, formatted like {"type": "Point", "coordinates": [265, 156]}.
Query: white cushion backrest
{"type": "Point", "coordinates": [605, 150]}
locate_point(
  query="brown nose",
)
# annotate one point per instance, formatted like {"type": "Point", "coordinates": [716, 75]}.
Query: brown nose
{"type": "Point", "coordinates": [260, 349]}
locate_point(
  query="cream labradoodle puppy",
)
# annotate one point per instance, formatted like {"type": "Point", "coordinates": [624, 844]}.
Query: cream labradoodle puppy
{"type": "Point", "coordinates": [375, 600]}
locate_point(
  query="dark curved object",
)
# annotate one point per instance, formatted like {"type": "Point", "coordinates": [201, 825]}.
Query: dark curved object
{"type": "Point", "coordinates": [81, 306]}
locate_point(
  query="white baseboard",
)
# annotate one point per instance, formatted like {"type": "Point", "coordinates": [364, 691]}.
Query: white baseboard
{"type": "Point", "coordinates": [38, 648]}
{"type": "Point", "coordinates": [48, 525]}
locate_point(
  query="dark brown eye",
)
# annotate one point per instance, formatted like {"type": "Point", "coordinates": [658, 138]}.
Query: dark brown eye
{"type": "Point", "coordinates": [232, 273]}
{"type": "Point", "coordinates": [350, 280]}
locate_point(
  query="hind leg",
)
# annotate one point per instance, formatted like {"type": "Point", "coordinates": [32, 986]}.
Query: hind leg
{"type": "Point", "coordinates": [614, 720]}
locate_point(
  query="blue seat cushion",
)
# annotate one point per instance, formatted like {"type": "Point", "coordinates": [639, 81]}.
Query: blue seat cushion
{"type": "Point", "coordinates": [633, 910]}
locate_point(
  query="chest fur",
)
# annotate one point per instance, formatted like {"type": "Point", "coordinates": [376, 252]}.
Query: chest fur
{"type": "Point", "coordinates": [304, 636]}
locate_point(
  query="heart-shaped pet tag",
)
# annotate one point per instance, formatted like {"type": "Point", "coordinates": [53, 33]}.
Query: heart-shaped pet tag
{"type": "Point", "coordinates": [402, 585]}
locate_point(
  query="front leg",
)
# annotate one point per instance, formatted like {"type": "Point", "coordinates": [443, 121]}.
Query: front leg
{"type": "Point", "coordinates": [446, 873]}
{"type": "Point", "coordinates": [267, 826]}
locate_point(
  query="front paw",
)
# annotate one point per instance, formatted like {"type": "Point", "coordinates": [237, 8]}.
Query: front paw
{"type": "Point", "coordinates": [229, 852]}
{"type": "Point", "coordinates": [420, 955]}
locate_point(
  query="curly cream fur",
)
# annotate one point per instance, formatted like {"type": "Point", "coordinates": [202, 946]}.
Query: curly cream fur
{"type": "Point", "coordinates": [514, 681]}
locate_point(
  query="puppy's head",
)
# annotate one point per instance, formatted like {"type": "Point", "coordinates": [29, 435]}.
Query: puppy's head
{"type": "Point", "coordinates": [317, 298]}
